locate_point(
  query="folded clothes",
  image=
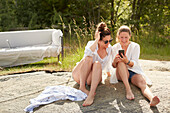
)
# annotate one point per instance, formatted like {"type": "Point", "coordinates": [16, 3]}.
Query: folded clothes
{"type": "Point", "coordinates": [55, 93]}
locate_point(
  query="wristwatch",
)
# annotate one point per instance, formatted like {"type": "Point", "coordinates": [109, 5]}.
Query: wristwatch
{"type": "Point", "coordinates": [128, 62]}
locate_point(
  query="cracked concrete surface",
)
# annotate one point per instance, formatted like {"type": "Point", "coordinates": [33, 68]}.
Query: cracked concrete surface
{"type": "Point", "coordinates": [16, 91]}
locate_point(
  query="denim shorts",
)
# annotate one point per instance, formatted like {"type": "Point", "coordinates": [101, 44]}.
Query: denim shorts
{"type": "Point", "coordinates": [131, 74]}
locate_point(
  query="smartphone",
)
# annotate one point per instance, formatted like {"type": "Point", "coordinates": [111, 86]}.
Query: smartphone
{"type": "Point", "coordinates": [123, 52]}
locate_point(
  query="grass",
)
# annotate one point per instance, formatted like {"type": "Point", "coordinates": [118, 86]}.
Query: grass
{"type": "Point", "coordinates": [150, 52]}
{"type": "Point", "coordinates": [152, 48]}
{"type": "Point", "coordinates": [68, 63]}
{"type": "Point", "coordinates": [48, 64]}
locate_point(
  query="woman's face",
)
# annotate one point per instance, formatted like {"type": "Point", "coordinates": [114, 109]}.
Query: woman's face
{"type": "Point", "coordinates": [124, 38]}
{"type": "Point", "coordinates": [105, 41]}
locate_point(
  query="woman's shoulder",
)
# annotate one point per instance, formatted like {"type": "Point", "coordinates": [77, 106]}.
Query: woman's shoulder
{"type": "Point", "coordinates": [134, 44]}
{"type": "Point", "coordinates": [117, 45]}
{"type": "Point", "coordinates": [89, 43]}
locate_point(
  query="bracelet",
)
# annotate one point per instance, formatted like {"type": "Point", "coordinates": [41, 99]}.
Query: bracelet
{"type": "Point", "coordinates": [128, 62]}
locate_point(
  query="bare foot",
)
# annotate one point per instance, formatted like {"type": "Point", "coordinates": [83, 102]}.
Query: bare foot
{"type": "Point", "coordinates": [129, 95]}
{"type": "Point", "coordinates": [84, 90]}
{"type": "Point", "coordinates": [89, 100]}
{"type": "Point", "coordinates": [154, 101]}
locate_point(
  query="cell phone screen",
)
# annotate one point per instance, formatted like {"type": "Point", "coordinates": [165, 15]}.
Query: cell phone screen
{"type": "Point", "coordinates": [121, 51]}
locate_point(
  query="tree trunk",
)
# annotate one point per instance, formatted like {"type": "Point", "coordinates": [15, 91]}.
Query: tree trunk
{"type": "Point", "coordinates": [88, 11]}
{"type": "Point", "coordinates": [133, 14]}
{"type": "Point", "coordinates": [112, 14]}
{"type": "Point", "coordinates": [137, 18]}
{"type": "Point", "coordinates": [93, 14]}
{"type": "Point", "coordinates": [98, 19]}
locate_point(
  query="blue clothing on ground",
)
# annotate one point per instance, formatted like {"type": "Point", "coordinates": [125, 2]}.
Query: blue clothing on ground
{"type": "Point", "coordinates": [55, 93]}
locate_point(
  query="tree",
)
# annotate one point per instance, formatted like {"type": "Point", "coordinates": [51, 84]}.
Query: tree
{"type": "Point", "coordinates": [7, 15]}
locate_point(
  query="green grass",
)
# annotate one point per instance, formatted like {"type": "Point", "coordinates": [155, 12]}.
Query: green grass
{"type": "Point", "coordinates": [48, 64]}
{"type": "Point", "coordinates": [70, 60]}
{"type": "Point", "coordinates": [153, 47]}
{"type": "Point", "coordinates": [150, 52]}
{"type": "Point", "coordinates": [155, 57]}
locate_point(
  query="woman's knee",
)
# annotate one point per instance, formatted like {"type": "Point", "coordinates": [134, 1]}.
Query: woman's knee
{"type": "Point", "coordinates": [120, 64]}
{"type": "Point", "coordinates": [88, 59]}
{"type": "Point", "coordinates": [76, 77]}
{"type": "Point", "coordinates": [74, 73]}
{"type": "Point", "coordinates": [97, 68]}
{"type": "Point", "coordinates": [97, 65]}
{"type": "Point", "coordinates": [142, 83]}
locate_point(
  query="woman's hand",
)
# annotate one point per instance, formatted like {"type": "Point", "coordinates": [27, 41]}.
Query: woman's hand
{"type": "Point", "coordinates": [124, 59]}
{"type": "Point", "coordinates": [116, 60]}
{"type": "Point", "coordinates": [97, 35]}
{"type": "Point", "coordinates": [97, 38]}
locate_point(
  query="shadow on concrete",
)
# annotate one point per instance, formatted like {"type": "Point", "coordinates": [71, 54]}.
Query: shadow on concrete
{"type": "Point", "coordinates": [154, 109]}
{"type": "Point", "coordinates": [111, 99]}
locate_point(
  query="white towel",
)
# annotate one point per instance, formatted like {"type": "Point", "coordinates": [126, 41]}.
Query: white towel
{"type": "Point", "coordinates": [55, 93]}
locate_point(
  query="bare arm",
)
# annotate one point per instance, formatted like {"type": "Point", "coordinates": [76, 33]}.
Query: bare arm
{"type": "Point", "coordinates": [97, 38]}
{"type": "Point", "coordinates": [116, 60]}
{"type": "Point", "coordinates": [126, 61]}
{"type": "Point", "coordinates": [135, 57]}
{"type": "Point", "coordinates": [130, 64]}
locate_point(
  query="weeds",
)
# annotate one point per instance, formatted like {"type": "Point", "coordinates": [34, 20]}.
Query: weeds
{"type": "Point", "coordinates": [153, 47]}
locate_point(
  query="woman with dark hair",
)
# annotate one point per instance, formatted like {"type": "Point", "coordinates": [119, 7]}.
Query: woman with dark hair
{"type": "Point", "coordinates": [128, 68]}
{"type": "Point", "coordinates": [96, 59]}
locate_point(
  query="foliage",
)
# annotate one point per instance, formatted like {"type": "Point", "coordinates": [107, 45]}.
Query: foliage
{"type": "Point", "coordinates": [8, 18]}
{"type": "Point", "coordinates": [148, 19]}
{"type": "Point", "coordinates": [38, 14]}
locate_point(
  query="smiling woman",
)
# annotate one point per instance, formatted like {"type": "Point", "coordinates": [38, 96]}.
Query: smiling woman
{"type": "Point", "coordinates": [128, 68]}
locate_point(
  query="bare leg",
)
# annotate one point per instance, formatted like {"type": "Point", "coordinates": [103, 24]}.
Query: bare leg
{"type": "Point", "coordinates": [123, 74]}
{"type": "Point", "coordinates": [81, 72]}
{"type": "Point", "coordinates": [140, 82]}
{"type": "Point", "coordinates": [96, 78]}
